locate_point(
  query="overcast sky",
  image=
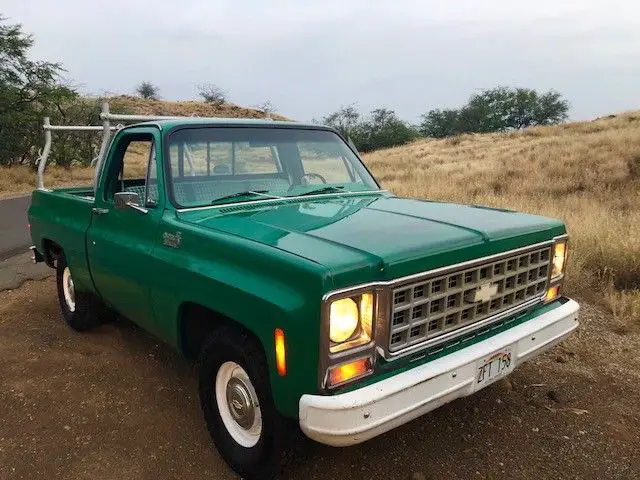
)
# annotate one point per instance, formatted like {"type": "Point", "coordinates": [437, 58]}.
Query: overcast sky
{"type": "Point", "coordinates": [309, 57]}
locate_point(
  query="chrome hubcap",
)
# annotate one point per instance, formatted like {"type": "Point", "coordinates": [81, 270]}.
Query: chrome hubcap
{"type": "Point", "coordinates": [68, 290]}
{"type": "Point", "coordinates": [240, 403]}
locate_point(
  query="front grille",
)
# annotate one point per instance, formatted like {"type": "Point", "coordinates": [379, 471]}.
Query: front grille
{"type": "Point", "coordinates": [434, 306]}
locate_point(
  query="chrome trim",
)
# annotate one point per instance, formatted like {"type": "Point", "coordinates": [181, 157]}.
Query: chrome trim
{"type": "Point", "coordinates": [281, 199]}
{"type": "Point", "coordinates": [387, 355]}
{"type": "Point", "coordinates": [558, 278]}
{"type": "Point", "coordinates": [137, 207]}
{"type": "Point", "coordinates": [430, 314]}
{"type": "Point", "coordinates": [327, 358]}
{"type": "Point", "coordinates": [370, 356]}
{"type": "Point", "coordinates": [383, 307]}
{"type": "Point", "coordinates": [429, 273]}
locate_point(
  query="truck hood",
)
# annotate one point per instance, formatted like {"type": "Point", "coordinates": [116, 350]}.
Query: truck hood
{"type": "Point", "coordinates": [387, 236]}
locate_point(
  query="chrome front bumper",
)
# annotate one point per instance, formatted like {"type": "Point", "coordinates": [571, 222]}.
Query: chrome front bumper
{"type": "Point", "coordinates": [356, 416]}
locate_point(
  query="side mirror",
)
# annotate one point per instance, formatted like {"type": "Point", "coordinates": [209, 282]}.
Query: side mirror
{"type": "Point", "coordinates": [126, 199]}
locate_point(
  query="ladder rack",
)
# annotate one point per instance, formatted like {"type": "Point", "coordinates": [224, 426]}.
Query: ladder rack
{"type": "Point", "coordinates": [107, 128]}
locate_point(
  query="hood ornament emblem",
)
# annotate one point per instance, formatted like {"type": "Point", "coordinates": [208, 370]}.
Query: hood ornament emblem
{"type": "Point", "coordinates": [484, 293]}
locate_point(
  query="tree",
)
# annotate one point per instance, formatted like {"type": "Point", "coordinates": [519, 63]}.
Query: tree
{"type": "Point", "coordinates": [148, 90]}
{"type": "Point", "coordinates": [29, 90]}
{"type": "Point", "coordinates": [440, 123]}
{"type": "Point", "coordinates": [345, 120]}
{"type": "Point", "coordinates": [382, 128]}
{"type": "Point", "coordinates": [529, 108]}
{"type": "Point", "coordinates": [486, 111]}
{"type": "Point", "coordinates": [211, 93]}
{"type": "Point", "coordinates": [495, 110]}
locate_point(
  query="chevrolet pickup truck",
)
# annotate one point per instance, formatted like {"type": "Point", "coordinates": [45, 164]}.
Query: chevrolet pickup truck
{"type": "Point", "coordinates": [268, 252]}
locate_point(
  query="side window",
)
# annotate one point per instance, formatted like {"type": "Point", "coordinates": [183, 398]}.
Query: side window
{"type": "Point", "coordinates": [316, 158]}
{"type": "Point", "coordinates": [135, 171]}
{"type": "Point", "coordinates": [136, 160]}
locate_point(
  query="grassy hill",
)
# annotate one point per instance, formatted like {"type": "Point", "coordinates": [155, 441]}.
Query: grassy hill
{"type": "Point", "coordinates": [185, 108]}
{"type": "Point", "coordinates": [587, 173]}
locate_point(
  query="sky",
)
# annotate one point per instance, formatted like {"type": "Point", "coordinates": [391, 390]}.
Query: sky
{"type": "Point", "coordinates": [309, 57]}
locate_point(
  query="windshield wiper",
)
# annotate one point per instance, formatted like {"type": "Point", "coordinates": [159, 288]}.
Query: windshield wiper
{"type": "Point", "coordinates": [255, 193]}
{"type": "Point", "coordinates": [330, 189]}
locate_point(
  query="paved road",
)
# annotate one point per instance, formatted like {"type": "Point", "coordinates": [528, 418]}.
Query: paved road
{"type": "Point", "coordinates": [14, 234]}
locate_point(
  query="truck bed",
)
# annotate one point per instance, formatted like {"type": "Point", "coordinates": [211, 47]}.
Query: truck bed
{"type": "Point", "coordinates": [62, 216]}
{"type": "Point", "coordinates": [85, 192]}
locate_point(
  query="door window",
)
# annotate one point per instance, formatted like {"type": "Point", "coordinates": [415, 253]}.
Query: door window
{"type": "Point", "coordinates": [136, 159]}
{"type": "Point", "coordinates": [135, 170]}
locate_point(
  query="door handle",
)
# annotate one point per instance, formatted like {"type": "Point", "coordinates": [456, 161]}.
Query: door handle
{"type": "Point", "coordinates": [100, 211]}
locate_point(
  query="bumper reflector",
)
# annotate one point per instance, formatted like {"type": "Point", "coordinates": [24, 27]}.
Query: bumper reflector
{"type": "Point", "coordinates": [349, 371]}
{"type": "Point", "coordinates": [281, 360]}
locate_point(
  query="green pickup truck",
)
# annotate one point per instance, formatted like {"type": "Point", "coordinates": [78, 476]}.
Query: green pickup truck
{"type": "Point", "coordinates": [267, 252]}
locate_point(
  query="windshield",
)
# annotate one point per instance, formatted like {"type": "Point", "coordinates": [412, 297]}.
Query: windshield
{"type": "Point", "coordinates": [217, 165]}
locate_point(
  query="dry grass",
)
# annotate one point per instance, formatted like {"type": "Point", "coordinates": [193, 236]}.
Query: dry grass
{"type": "Point", "coordinates": [586, 173]}
{"type": "Point", "coordinates": [21, 179]}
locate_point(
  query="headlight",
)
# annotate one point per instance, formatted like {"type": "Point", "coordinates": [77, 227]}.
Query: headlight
{"type": "Point", "coordinates": [343, 320]}
{"type": "Point", "coordinates": [351, 321]}
{"type": "Point", "coordinates": [559, 259]}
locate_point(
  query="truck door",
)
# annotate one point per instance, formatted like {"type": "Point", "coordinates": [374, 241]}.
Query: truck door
{"type": "Point", "coordinates": [120, 241]}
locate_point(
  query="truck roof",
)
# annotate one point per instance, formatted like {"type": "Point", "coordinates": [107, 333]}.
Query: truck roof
{"type": "Point", "coordinates": [167, 124]}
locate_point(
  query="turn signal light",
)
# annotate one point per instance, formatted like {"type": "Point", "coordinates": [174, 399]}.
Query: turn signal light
{"type": "Point", "coordinates": [552, 293]}
{"type": "Point", "coordinates": [281, 356]}
{"type": "Point", "coordinates": [349, 371]}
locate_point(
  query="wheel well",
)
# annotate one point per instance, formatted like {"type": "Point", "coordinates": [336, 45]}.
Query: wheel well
{"type": "Point", "coordinates": [52, 251]}
{"type": "Point", "coordinates": [196, 324]}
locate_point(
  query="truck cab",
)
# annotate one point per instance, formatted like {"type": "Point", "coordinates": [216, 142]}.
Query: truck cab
{"type": "Point", "coordinates": [267, 252]}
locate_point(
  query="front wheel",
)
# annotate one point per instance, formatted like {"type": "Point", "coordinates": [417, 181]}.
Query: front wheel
{"type": "Point", "coordinates": [235, 395]}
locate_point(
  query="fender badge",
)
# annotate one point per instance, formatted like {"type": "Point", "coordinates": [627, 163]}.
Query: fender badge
{"type": "Point", "coordinates": [172, 240]}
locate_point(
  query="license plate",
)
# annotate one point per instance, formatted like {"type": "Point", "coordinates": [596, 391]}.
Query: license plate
{"type": "Point", "coordinates": [494, 367]}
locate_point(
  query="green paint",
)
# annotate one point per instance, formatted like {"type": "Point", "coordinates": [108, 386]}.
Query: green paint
{"type": "Point", "coordinates": [263, 265]}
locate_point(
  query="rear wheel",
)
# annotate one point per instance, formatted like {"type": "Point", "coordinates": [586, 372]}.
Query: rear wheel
{"type": "Point", "coordinates": [236, 400]}
{"type": "Point", "coordinates": [81, 311]}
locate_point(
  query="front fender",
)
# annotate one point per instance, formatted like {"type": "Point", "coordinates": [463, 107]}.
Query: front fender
{"type": "Point", "coordinates": [259, 287]}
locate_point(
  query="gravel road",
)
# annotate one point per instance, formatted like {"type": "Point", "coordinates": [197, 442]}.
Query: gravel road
{"type": "Point", "coordinates": [116, 404]}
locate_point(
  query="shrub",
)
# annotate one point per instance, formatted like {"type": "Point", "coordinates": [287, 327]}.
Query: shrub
{"type": "Point", "coordinates": [211, 93]}
{"type": "Point", "coordinates": [148, 90]}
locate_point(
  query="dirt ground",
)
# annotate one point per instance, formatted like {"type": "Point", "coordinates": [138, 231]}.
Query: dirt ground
{"type": "Point", "coordinates": [116, 404]}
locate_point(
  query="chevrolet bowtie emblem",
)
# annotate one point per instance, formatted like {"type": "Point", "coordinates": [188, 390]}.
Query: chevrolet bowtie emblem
{"type": "Point", "coordinates": [484, 292]}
